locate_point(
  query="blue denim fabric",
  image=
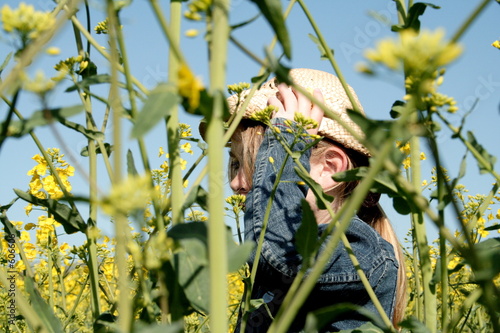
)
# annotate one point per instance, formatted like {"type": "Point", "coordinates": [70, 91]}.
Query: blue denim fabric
{"type": "Point", "coordinates": [280, 262]}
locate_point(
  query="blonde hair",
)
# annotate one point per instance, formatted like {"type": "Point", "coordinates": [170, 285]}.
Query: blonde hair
{"type": "Point", "coordinates": [248, 138]}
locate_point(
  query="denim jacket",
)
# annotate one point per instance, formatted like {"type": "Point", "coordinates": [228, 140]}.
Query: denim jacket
{"type": "Point", "coordinates": [280, 261]}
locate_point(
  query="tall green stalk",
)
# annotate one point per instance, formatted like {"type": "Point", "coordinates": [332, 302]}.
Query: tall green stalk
{"type": "Point", "coordinates": [121, 224]}
{"type": "Point", "coordinates": [216, 228]}
{"type": "Point", "coordinates": [418, 224]}
{"type": "Point", "coordinates": [172, 122]}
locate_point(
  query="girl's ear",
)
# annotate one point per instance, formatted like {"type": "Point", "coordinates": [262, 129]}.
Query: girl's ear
{"type": "Point", "coordinates": [332, 160]}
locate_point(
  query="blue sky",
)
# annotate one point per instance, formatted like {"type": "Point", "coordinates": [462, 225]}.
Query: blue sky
{"type": "Point", "coordinates": [348, 26]}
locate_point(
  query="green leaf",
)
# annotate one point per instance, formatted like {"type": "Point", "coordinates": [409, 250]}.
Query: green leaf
{"type": "Point", "coordinates": [244, 23]}
{"type": "Point", "coordinates": [397, 109]}
{"type": "Point", "coordinates": [41, 118]}
{"type": "Point", "coordinates": [237, 254]}
{"type": "Point", "coordinates": [90, 134]}
{"type": "Point", "coordinates": [176, 327]}
{"type": "Point", "coordinates": [488, 259]}
{"type": "Point", "coordinates": [160, 103]}
{"type": "Point", "coordinates": [493, 227]}
{"type": "Point", "coordinates": [321, 49]}
{"type": "Point", "coordinates": [317, 320]}
{"type": "Point", "coordinates": [378, 130]}
{"type": "Point", "coordinates": [272, 11]}
{"type": "Point", "coordinates": [412, 21]}
{"type": "Point", "coordinates": [107, 146]}
{"type": "Point", "coordinates": [5, 62]}
{"type": "Point", "coordinates": [91, 80]}
{"type": "Point", "coordinates": [414, 325]}
{"type": "Point", "coordinates": [383, 182]}
{"type": "Point", "coordinates": [46, 315]}
{"type": "Point", "coordinates": [198, 195]}
{"type": "Point", "coordinates": [8, 226]}
{"type": "Point", "coordinates": [190, 263]}
{"type": "Point", "coordinates": [401, 205]}
{"type": "Point", "coordinates": [414, 14]}
{"type": "Point", "coordinates": [321, 197]}
{"type": "Point", "coordinates": [489, 159]}
{"type": "Point", "coordinates": [306, 237]}
{"type": "Point", "coordinates": [68, 217]}
{"type": "Point", "coordinates": [131, 169]}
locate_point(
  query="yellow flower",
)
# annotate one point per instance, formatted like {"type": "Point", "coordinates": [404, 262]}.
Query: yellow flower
{"type": "Point", "coordinates": [39, 84]}
{"type": "Point", "coordinates": [53, 50]}
{"type": "Point", "coordinates": [189, 87]}
{"type": "Point", "coordinates": [238, 88]}
{"type": "Point", "coordinates": [191, 33]}
{"type": "Point", "coordinates": [187, 148]}
{"type": "Point", "coordinates": [196, 216]}
{"type": "Point", "coordinates": [29, 226]}
{"type": "Point", "coordinates": [404, 148]}
{"type": "Point", "coordinates": [101, 27]}
{"type": "Point", "coordinates": [418, 52]}
{"type": "Point", "coordinates": [28, 208]}
{"type": "Point", "coordinates": [135, 192]}
{"type": "Point", "coordinates": [25, 21]}
{"type": "Point", "coordinates": [185, 130]}
{"type": "Point", "coordinates": [183, 163]}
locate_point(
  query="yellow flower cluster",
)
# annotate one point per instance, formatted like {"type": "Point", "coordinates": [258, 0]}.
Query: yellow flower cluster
{"type": "Point", "coordinates": [422, 57]}
{"type": "Point", "coordinates": [237, 201]}
{"type": "Point", "coordinates": [185, 130]}
{"type": "Point", "coordinates": [196, 216]}
{"type": "Point", "coordinates": [419, 53]}
{"type": "Point", "coordinates": [69, 65]}
{"type": "Point", "coordinates": [405, 149]}
{"type": "Point", "coordinates": [133, 193]}
{"type": "Point", "coordinates": [43, 183]}
{"type": "Point", "coordinates": [25, 21]}
{"type": "Point", "coordinates": [189, 87]}
{"type": "Point", "coordinates": [196, 8]}
{"type": "Point", "coordinates": [101, 27]}
{"type": "Point", "coordinates": [39, 84]}
{"type": "Point", "coordinates": [237, 88]}
{"type": "Point", "coordinates": [264, 115]}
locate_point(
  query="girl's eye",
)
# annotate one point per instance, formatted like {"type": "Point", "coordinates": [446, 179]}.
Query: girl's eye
{"type": "Point", "coordinates": [235, 164]}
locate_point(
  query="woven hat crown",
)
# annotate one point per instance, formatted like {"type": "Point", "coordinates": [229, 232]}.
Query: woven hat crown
{"type": "Point", "coordinates": [335, 97]}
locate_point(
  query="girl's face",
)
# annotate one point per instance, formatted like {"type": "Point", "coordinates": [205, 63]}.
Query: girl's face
{"type": "Point", "coordinates": [239, 181]}
{"type": "Point", "coordinates": [245, 143]}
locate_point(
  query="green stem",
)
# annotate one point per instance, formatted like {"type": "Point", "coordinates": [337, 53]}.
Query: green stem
{"type": "Point", "coordinates": [171, 33]}
{"type": "Point", "coordinates": [106, 55]}
{"type": "Point", "coordinates": [33, 319]}
{"type": "Point", "coordinates": [419, 301]}
{"type": "Point", "coordinates": [172, 122]}
{"type": "Point", "coordinates": [467, 23]}
{"type": "Point", "coordinates": [215, 133]}
{"type": "Point", "coordinates": [121, 224]}
{"type": "Point", "coordinates": [418, 223]}
{"type": "Point", "coordinates": [69, 317]}
{"type": "Point", "coordinates": [329, 55]}
{"type": "Point", "coordinates": [49, 275]}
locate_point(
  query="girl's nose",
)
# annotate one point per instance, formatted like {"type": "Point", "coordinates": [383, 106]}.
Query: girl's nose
{"type": "Point", "coordinates": [239, 184]}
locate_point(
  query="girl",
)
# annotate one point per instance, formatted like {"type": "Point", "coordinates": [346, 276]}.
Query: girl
{"type": "Point", "coordinates": [257, 155]}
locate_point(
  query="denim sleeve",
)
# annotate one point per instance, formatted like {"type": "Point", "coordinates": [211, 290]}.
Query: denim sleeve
{"type": "Point", "coordinates": [278, 249]}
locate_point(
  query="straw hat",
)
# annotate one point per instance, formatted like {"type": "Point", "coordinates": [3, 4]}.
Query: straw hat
{"type": "Point", "coordinates": [335, 98]}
